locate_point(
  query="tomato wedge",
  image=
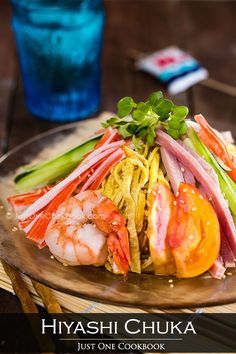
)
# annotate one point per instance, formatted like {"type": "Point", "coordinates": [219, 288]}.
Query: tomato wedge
{"type": "Point", "coordinates": [216, 145]}
{"type": "Point", "coordinates": [193, 233]}
{"type": "Point", "coordinates": [161, 204]}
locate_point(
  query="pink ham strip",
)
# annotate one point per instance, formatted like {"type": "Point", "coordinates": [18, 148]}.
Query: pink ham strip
{"type": "Point", "coordinates": [188, 176]}
{"type": "Point", "coordinates": [217, 270]}
{"type": "Point", "coordinates": [226, 253]}
{"type": "Point", "coordinates": [225, 250]}
{"type": "Point", "coordinates": [172, 169]}
{"type": "Point", "coordinates": [87, 163]}
{"type": "Point", "coordinates": [202, 176]}
{"type": "Point", "coordinates": [203, 163]}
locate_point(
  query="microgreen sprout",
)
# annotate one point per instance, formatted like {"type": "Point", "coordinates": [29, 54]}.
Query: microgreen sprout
{"type": "Point", "coordinates": [139, 121]}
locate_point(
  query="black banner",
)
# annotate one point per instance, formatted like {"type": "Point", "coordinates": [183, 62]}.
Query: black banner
{"type": "Point", "coordinates": [118, 333]}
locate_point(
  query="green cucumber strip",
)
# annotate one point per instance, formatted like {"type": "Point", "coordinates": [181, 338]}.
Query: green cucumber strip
{"type": "Point", "coordinates": [54, 169]}
{"type": "Point", "coordinates": [227, 186]}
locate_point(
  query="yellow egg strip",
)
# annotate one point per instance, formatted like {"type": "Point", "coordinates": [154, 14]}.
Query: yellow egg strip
{"type": "Point", "coordinates": [127, 186]}
{"type": "Point", "coordinates": [124, 175]}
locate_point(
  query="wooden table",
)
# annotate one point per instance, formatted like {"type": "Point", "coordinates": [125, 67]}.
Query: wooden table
{"type": "Point", "coordinates": [206, 28]}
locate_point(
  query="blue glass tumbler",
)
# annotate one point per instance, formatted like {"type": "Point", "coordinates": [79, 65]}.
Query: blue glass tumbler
{"type": "Point", "coordinates": [59, 48]}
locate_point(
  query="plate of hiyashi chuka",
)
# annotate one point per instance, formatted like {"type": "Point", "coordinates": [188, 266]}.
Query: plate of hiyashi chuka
{"type": "Point", "coordinates": [142, 212]}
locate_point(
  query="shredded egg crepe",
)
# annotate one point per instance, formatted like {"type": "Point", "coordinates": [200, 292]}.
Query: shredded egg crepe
{"type": "Point", "coordinates": [128, 186]}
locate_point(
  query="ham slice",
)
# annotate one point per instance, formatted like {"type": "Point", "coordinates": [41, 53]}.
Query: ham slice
{"type": "Point", "coordinates": [217, 270]}
{"type": "Point", "coordinates": [226, 253]}
{"type": "Point", "coordinates": [172, 169]}
{"type": "Point", "coordinates": [212, 190]}
{"type": "Point", "coordinates": [188, 176]}
{"type": "Point", "coordinates": [203, 163]}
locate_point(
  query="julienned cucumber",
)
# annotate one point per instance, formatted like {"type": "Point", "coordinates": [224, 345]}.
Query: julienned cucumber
{"type": "Point", "coordinates": [50, 171]}
{"type": "Point", "coordinates": [227, 186]}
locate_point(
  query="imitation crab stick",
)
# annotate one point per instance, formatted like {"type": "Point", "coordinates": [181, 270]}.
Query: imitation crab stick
{"type": "Point", "coordinates": [27, 198]}
{"type": "Point", "coordinates": [46, 198]}
{"type": "Point", "coordinates": [95, 167]}
{"type": "Point", "coordinates": [215, 145]}
{"type": "Point", "coordinates": [103, 170]}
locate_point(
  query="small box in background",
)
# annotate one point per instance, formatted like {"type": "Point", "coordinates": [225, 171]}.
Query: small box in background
{"type": "Point", "coordinates": [174, 67]}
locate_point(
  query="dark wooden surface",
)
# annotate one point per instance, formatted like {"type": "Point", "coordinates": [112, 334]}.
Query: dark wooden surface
{"type": "Point", "coordinates": [206, 28]}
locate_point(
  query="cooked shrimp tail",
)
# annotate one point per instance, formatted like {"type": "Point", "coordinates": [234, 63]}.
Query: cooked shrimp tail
{"type": "Point", "coordinates": [109, 220]}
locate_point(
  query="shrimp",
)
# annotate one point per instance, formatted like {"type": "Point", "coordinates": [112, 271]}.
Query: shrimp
{"type": "Point", "coordinates": [88, 229]}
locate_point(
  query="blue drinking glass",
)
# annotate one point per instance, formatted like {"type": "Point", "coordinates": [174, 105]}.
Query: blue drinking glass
{"type": "Point", "coordinates": [59, 49]}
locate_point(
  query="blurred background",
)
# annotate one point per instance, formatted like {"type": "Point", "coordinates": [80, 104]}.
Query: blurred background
{"type": "Point", "coordinates": [206, 29]}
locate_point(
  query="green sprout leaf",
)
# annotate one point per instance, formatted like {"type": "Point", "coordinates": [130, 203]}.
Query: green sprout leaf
{"type": "Point", "coordinates": [136, 143]}
{"type": "Point", "coordinates": [155, 98]}
{"type": "Point", "coordinates": [125, 106]}
{"type": "Point", "coordinates": [183, 128]}
{"type": "Point", "coordinates": [141, 111]}
{"type": "Point", "coordinates": [180, 111]}
{"type": "Point", "coordinates": [173, 133]}
{"type": "Point", "coordinates": [164, 108]}
{"type": "Point", "coordinates": [110, 122]}
{"type": "Point", "coordinates": [146, 116]}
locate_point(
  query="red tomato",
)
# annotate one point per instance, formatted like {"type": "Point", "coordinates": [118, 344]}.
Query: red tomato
{"type": "Point", "coordinates": [193, 233]}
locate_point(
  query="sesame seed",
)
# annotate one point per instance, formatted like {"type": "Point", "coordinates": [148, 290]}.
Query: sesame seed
{"type": "Point", "coordinates": [92, 170]}
{"type": "Point", "coordinates": [65, 265]}
{"type": "Point", "coordinates": [185, 190]}
{"type": "Point", "coordinates": [114, 223]}
{"type": "Point", "coordinates": [224, 276]}
{"type": "Point", "coordinates": [182, 169]}
{"type": "Point", "coordinates": [201, 197]}
{"type": "Point", "coordinates": [154, 193]}
{"type": "Point", "coordinates": [14, 229]}
{"type": "Point", "coordinates": [191, 237]}
{"type": "Point", "coordinates": [89, 175]}
{"type": "Point", "coordinates": [1, 206]}
{"type": "Point", "coordinates": [171, 285]}
{"type": "Point", "coordinates": [229, 273]}
{"type": "Point", "coordinates": [208, 223]}
{"type": "Point", "coordinates": [181, 201]}
{"type": "Point", "coordinates": [194, 209]}
{"type": "Point", "coordinates": [177, 194]}
{"type": "Point", "coordinates": [193, 192]}
{"type": "Point", "coordinates": [52, 257]}
{"type": "Point", "coordinates": [170, 280]}
{"type": "Point", "coordinates": [174, 202]}
{"type": "Point", "coordinates": [8, 213]}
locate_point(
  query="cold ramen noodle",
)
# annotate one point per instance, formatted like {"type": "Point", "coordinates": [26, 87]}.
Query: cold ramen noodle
{"type": "Point", "coordinates": [152, 192]}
